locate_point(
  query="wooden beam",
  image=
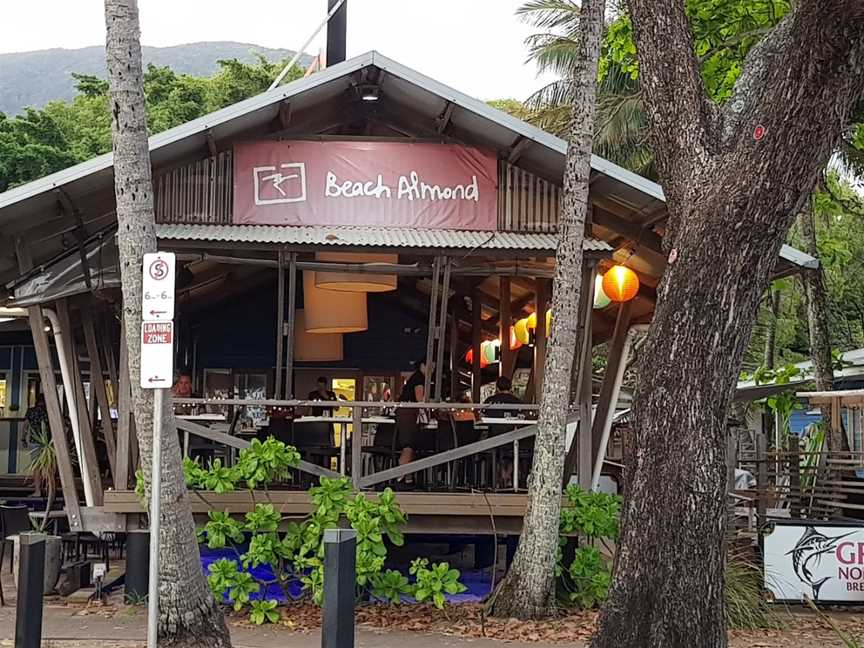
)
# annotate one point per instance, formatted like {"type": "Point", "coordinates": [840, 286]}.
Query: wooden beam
{"type": "Point", "coordinates": [644, 236]}
{"type": "Point", "coordinates": [85, 429]}
{"type": "Point", "coordinates": [586, 455]}
{"type": "Point", "coordinates": [280, 323]}
{"type": "Point", "coordinates": [97, 388]}
{"type": "Point", "coordinates": [442, 326]}
{"type": "Point", "coordinates": [476, 339]}
{"type": "Point", "coordinates": [504, 326]}
{"type": "Point", "coordinates": [289, 337]}
{"type": "Point", "coordinates": [443, 119]}
{"type": "Point", "coordinates": [211, 143]}
{"type": "Point", "coordinates": [613, 361]}
{"type": "Point", "coordinates": [55, 417]}
{"type": "Point", "coordinates": [519, 147]}
{"type": "Point", "coordinates": [124, 417]}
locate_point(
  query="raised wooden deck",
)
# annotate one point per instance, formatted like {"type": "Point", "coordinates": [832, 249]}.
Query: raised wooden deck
{"type": "Point", "coordinates": [445, 513]}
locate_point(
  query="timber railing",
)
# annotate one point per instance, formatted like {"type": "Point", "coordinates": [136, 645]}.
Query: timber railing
{"type": "Point", "coordinates": [524, 429]}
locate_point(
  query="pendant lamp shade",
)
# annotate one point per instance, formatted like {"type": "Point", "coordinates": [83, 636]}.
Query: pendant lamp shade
{"type": "Point", "coordinates": [355, 281]}
{"type": "Point", "coordinates": [601, 299]}
{"type": "Point", "coordinates": [311, 347]}
{"type": "Point", "coordinates": [620, 283]}
{"type": "Point", "coordinates": [329, 311]}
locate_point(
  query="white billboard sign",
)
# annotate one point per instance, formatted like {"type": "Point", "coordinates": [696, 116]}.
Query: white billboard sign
{"type": "Point", "coordinates": [157, 294]}
{"type": "Point", "coordinates": [823, 562]}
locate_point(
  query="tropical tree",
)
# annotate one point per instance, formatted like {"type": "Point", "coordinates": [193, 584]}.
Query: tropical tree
{"type": "Point", "coordinates": [188, 614]}
{"type": "Point", "coordinates": [528, 590]}
{"type": "Point", "coordinates": [735, 177]}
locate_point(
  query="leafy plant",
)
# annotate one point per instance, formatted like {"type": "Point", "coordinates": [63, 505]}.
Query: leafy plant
{"type": "Point", "coordinates": [43, 468]}
{"type": "Point", "coordinates": [435, 581]}
{"type": "Point", "coordinates": [746, 607]}
{"type": "Point", "coordinates": [590, 574]}
{"type": "Point", "coordinates": [390, 586]}
{"type": "Point", "coordinates": [264, 612]}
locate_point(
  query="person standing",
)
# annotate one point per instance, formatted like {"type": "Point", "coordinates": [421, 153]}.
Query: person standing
{"type": "Point", "coordinates": [409, 434]}
{"type": "Point", "coordinates": [322, 392]}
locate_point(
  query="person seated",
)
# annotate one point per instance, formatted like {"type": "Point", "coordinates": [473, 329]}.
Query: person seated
{"type": "Point", "coordinates": [322, 392]}
{"type": "Point", "coordinates": [503, 396]}
{"type": "Point", "coordinates": [182, 388]}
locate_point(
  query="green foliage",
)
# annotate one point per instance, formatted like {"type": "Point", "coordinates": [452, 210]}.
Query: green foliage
{"type": "Point", "coordinates": [297, 552]}
{"type": "Point", "coordinates": [38, 142]}
{"type": "Point", "coordinates": [594, 517]}
{"type": "Point", "coordinates": [264, 612]}
{"type": "Point", "coordinates": [435, 581]}
{"type": "Point", "coordinates": [746, 606]}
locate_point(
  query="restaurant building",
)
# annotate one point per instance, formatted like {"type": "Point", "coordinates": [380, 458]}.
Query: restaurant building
{"type": "Point", "coordinates": [343, 225]}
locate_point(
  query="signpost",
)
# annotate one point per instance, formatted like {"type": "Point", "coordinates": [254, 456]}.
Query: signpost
{"type": "Point", "coordinates": [157, 369]}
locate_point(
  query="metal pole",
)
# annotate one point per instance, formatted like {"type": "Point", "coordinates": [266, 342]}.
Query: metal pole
{"type": "Point", "coordinates": [430, 340]}
{"type": "Point", "coordinates": [442, 326]}
{"type": "Point", "coordinates": [290, 333]}
{"type": "Point", "coordinates": [31, 578]}
{"type": "Point", "coordinates": [155, 501]}
{"type": "Point", "coordinates": [340, 562]}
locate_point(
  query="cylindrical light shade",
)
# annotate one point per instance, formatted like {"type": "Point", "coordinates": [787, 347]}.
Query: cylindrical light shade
{"type": "Point", "coordinates": [328, 311]}
{"type": "Point", "coordinates": [315, 347]}
{"type": "Point", "coordinates": [515, 342]}
{"type": "Point", "coordinates": [520, 329]}
{"type": "Point", "coordinates": [355, 281]}
{"type": "Point", "coordinates": [601, 299]}
{"type": "Point", "coordinates": [620, 283]}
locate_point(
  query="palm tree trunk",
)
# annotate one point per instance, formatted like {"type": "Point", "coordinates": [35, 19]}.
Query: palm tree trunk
{"type": "Point", "coordinates": [189, 616]}
{"type": "Point", "coordinates": [817, 326]}
{"type": "Point", "coordinates": [528, 590]}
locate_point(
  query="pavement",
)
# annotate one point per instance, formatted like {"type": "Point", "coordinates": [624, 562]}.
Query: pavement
{"type": "Point", "coordinates": [69, 627]}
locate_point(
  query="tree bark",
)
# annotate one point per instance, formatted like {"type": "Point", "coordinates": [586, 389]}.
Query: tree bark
{"type": "Point", "coordinates": [768, 357]}
{"type": "Point", "coordinates": [817, 326]}
{"type": "Point", "coordinates": [189, 616]}
{"type": "Point", "coordinates": [528, 590]}
{"type": "Point", "coordinates": [734, 179]}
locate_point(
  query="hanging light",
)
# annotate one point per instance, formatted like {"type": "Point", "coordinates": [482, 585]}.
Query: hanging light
{"type": "Point", "coordinates": [532, 322]}
{"type": "Point", "coordinates": [548, 321]}
{"type": "Point", "coordinates": [355, 281]}
{"type": "Point", "coordinates": [490, 349]}
{"type": "Point", "coordinates": [315, 347]}
{"type": "Point", "coordinates": [469, 358]}
{"type": "Point", "coordinates": [328, 311]}
{"type": "Point", "coordinates": [620, 283]}
{"type": "Point", "coordinates": [601, 299]}
{"type": "Point", "coordinates": [515, 342]}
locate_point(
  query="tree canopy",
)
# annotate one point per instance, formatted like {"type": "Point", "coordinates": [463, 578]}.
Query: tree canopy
{"type": "Point", "coordinates": [38, 142]}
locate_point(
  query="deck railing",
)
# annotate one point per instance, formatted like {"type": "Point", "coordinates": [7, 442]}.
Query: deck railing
{"type": "Point", "coordinates": [524, 429]}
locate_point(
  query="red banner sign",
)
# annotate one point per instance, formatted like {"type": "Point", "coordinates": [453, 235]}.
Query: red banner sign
{"type": "Point", "coordinates": [393, 184]}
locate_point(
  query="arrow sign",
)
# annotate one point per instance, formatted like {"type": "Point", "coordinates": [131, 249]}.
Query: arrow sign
{"type": "Point", "coordinates": [157, 354]}
{"type": "Point", "coordinates": [157, 288]}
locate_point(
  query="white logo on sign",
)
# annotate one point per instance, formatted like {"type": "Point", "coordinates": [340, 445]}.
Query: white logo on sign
{"type": "Point", "coordinates": [288, 181]}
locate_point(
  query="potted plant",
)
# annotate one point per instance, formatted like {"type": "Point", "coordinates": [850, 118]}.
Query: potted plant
{"type": "Point", "coordinates": [43, 473]}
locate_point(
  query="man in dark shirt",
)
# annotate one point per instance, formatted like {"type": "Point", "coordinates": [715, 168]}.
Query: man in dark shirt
{"type": "Point", "coordinates": [322, 393]}
{"type": "Point", "coordinates": [503, 396]}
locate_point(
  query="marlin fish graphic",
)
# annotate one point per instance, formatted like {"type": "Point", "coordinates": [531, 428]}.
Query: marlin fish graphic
{"type": "Point", "coordinates": [807, 556]}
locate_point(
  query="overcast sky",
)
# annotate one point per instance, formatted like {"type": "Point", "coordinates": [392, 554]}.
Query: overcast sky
{"type": "Point", "coordinates": [475, 46]}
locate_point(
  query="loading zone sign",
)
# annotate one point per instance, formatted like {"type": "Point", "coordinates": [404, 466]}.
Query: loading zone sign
{"type": "Point", "coordinates": [157, 354]}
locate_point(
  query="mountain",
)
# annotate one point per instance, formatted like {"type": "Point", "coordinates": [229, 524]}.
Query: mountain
{"type": "Point", "coordinates": [35, 78]}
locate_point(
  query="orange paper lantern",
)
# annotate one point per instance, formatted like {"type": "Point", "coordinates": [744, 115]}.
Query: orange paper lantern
{"type": "Point", "coordinates": [620, 283]}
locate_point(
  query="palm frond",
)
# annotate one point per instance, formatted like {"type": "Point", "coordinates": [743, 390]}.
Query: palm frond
{"type": "Point", "coordinates": [551, 14]}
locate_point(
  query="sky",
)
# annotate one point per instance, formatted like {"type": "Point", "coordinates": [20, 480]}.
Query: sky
{"type": "Point", "coordinates": [475, 46]}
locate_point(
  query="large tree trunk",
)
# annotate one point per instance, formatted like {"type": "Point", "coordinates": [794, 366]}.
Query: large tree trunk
{"type": "Point", "coordinates": [188, 614]}
{"type": "Point", "coordinates": [817, 326]}
{"type": "Point", "coordinates": [734, 178]}
{"type": "Point", "coordinates": [528, 590]}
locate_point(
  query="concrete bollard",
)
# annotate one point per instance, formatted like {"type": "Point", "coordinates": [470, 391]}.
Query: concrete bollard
{"type": "Point", "coordinates": [340, 579]}
{"type": "Point", "coordinates": [31, 577]}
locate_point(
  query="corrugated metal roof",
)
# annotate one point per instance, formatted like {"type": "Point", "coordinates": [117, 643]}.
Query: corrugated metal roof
{"type": "Point", "coordinates": [368, 236]}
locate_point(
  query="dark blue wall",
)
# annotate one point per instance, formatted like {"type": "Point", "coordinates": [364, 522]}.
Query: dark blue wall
{"type": "Point", "coordinates": [242, 334]}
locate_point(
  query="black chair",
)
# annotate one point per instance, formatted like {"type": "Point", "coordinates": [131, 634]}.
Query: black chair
{"type": "Point", "coordinates": [14, 520]}
{"type": "Point", "coordinates": [383, 450]}
{"type": "Point", "coordinates": [314, 441]}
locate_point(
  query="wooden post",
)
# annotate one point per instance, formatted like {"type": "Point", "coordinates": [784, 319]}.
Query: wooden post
{"type": "Point", "coordinates": [442, 326]}
{"type": "Point", "coordinates": [476, 338]}
{"type": "Point", "coordinates": [289, 334]}
{"type": "Point", "coordinates": [796, 494]}
{"type": "Point", "coordinates": [356, 447]}
{"type": "Point", "coordinates": [541, 335]}
{"type": "Point", "coordinates": [454, 360]}
{"type": "Point", "coordinates": [97, 387]}
{"type": "Point", "coordinates": [731, 457]}
{"type": "Point", "coordinates": [504, 322]}
{"type": "Point", "coordinates": [124, 418]}
{"type": "Point", "coordinates": [280, 322]}
{"type": "Point", "coordinates": [55, 417]}
{"type": "Point", "coordinates": [433, 322]}
{"type": "Point", "coordinates": [761, 478]}
{"type": "Point", "coordinates": [613, 362]}
{"type": "Point", "coordinates": [88, 444]}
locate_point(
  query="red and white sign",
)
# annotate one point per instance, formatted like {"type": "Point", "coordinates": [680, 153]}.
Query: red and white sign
{"type": "Point", "coordinates": [391, 184]}
{"type": "Point", "coordinates": [157, 354]}
{"type": "Point", "coordinates": [157, 294]}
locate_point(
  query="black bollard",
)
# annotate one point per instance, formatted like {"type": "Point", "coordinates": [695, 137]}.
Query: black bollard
{"type": "Point", "coordinates": [340, 580]}
{"type": "Point", "coordinates": [137, 565]}
{"type": "Point", "coordinates": [31, 578]}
